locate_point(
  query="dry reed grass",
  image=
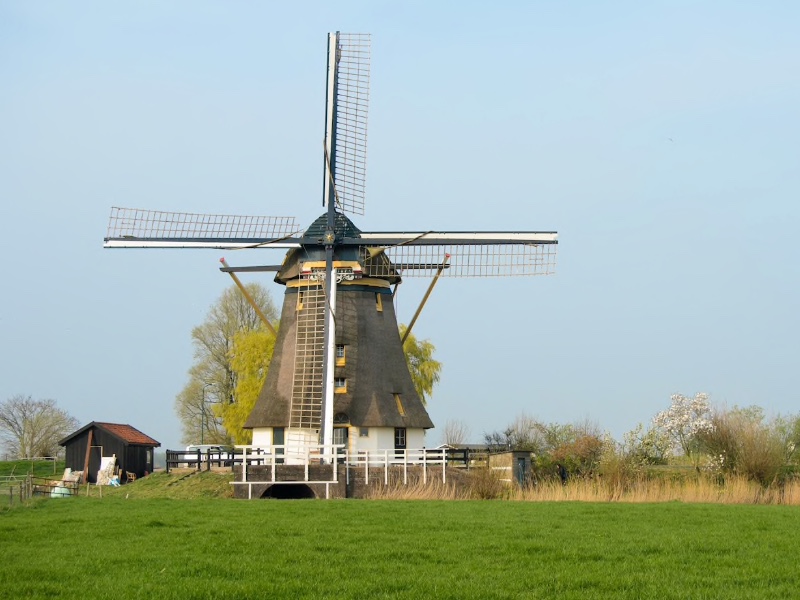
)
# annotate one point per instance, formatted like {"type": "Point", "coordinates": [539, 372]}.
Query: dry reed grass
{"type": "Point", "coordinates": [735, 490]}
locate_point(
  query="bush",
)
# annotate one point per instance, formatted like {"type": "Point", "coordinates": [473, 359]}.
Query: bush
{"type": "Point", "coordinates": [580, 456]}
{"type": "Point", "coordinates": [744, 443]}
{"type": "Point", "coordinates": [651, 447]}
{"type": "Point", "coordinates": [484, 484]}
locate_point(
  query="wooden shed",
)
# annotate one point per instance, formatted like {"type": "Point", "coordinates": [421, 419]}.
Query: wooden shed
{"type": "Point", "coordinates": [132, 448]}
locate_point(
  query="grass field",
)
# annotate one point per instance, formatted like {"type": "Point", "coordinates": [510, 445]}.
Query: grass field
{"type": "Point", "coordinates": [40, 468]}
{"type": "Point", "coordinates": [216, 548]}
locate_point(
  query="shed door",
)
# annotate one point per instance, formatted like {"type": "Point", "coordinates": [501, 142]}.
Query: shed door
{"type": "Point", "coordinates": [95, 452]}
{"type": "Point", "coordinates": [522, 470]}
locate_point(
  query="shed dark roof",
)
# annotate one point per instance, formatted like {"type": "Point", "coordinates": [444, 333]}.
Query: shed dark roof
{"type": "Point", "coordinates": [126, 433]}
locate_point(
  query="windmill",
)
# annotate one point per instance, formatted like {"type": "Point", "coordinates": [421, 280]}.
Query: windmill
{"type": "Point", "coordinates": [338, 373]}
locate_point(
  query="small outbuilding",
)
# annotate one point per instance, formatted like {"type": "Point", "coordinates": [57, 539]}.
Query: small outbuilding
{"type": "Point", "coordinates": [512, 466]}
{"type": "Point", "coordinates": [133, 450]}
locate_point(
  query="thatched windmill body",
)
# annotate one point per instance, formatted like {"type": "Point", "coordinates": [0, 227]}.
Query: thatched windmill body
{"type": "Point", "coordinates": [338, 374]}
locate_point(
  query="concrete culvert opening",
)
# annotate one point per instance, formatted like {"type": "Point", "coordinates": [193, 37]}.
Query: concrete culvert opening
{"type": "Point", "coordinates": [289, 491]}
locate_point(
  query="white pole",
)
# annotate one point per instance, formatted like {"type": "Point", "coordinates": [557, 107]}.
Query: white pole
{"type": "Point", "coordinates": [329, 102]}
{"type": "Point", "coordinates": [327, 428]}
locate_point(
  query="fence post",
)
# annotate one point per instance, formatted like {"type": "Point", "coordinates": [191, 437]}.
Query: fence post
{"type": "Point", "coordinates": [198, 459]}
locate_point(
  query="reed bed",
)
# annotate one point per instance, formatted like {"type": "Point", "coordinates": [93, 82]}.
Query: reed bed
{"type": "Point", "coordinates": [700, 489]}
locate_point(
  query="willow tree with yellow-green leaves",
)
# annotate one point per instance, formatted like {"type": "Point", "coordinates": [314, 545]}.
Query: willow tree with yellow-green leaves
{"type": "Point", "coordinates": [425, 370]}
{"type": "Point", "coordinates": [249, 360]}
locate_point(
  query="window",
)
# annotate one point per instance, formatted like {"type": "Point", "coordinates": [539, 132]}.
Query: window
{"type": "Point", "coordinates": [363, 432]}
{"type": "Point", "coordinates": [340, 385]}
{"type": "Point", "coordinates": [340, 436]}
{"type": "Point", "coordinates": [378, 303]}
{"type": "Point", "coordinates": [399, 438]}
{"type": "Point", "coordinates": [399, 403]}
{"type": "Point", "coordinates": [300, 300]}
{"type": "Point", "coordinates": [340, 355]}
{"type": "Point", "coordinates": [341, 418]}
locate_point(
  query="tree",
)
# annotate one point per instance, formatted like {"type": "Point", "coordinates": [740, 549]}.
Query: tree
{"type": "Point", "coordinates": [455, 432]}
{"type": "Point", "coordinates": [425, 371]}
{"type": "Point", "coordinates": [31, 427]}
{"type": "Point", "coordinates": [212, 380]}
{"type": "Point", "coordinates": [523, 433]}
{"type": "Point", "coordinates": [249, 360]}
{"type": "Point", "coordinates": [685, 421]}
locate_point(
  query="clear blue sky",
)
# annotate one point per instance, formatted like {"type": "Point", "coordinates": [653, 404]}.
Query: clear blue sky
{"type": "Point", "coordinates": [659, 138]}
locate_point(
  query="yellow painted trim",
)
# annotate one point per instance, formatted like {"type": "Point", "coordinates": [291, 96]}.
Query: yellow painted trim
{"type": "Point", "coordinates": [400, 408]}
{"type": "Point", "coordinates": [320, 264]}
{"type": "Point", "coordinates": [378, 302]}
{"type": "Point", "coordinates": [368, 281]}
{"type": "Point", "coordinates": [294, 283]}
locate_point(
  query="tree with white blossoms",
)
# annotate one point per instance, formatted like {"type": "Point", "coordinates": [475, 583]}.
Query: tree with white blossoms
{"type": "Point", "coordinates": [684, 421]}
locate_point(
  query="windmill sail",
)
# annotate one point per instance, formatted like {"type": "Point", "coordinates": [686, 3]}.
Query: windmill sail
{"type": "Point", "coordinates": [140, 228]}
{"type": "Point", "coordinates": [473, 254]}
{"type": "Point", "coordinates": [346, 121]}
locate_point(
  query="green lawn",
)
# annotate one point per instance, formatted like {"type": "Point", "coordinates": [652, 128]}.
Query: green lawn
{"type": "Point", "coordinates": [163, 548]}
{"type": "Point", "coordinates": [40, 468]}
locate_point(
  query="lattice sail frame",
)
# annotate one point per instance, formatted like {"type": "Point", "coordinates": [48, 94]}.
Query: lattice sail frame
{"type": "Point", "coordinates": [350, 129]}
{"type": "Point", "coordinates": [466, 260]}
{"type": "Point", "coordinates": [155, 224]}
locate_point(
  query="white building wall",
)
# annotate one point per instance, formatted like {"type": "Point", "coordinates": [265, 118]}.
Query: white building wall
{"type": "Point", "coordinates": [415, 439]}
{"type": "Point", "coordinates": [262, 436]}
{"type": "Point", "coordinates": [379, 438]}
{"type": "Point", "coordinates": [382, 438]}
